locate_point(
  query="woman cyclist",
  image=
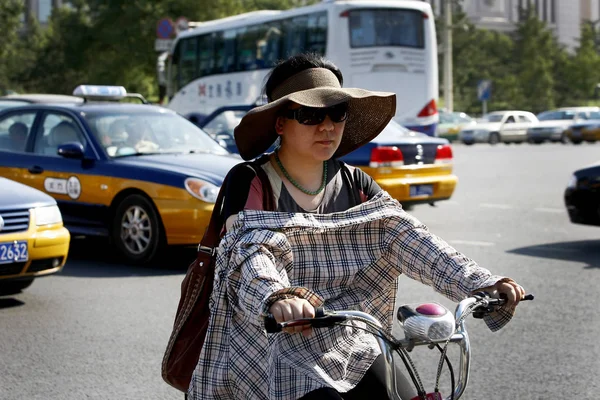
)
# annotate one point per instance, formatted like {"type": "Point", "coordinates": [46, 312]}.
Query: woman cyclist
{"type": "Point", "coordinates": [337, 240]}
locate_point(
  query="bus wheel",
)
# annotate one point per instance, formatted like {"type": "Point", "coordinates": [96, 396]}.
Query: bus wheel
{"type": "Point", "coordinates": [136, 229]}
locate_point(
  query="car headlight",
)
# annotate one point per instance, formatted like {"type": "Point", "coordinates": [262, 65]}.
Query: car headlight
{"type": "Point", "coordinates": [202, 190]}
{"type": "Point", "coordinates": [572, 182]}
{"type": "Point", "coordinates": [47, 215]}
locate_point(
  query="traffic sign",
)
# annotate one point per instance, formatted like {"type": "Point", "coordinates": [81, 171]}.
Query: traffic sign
{"type": "Point", "coordinates": [162, 44]}
{"type": "Point", "coordinates": [484, 90]}
{"type": "Point", "coordinates": [165, 28]}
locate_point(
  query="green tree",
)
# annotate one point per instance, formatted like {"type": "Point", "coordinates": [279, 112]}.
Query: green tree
{"type": "Point", "coordinates": [480, 54]}
{"type": "Point", "coordinates": [585, 66]}
{"type": "Point", "coordinates": [10, 13]}
{"type": "Point", "coordinates": [31, 42]}
{"type": "Point", "coordinates": [62, 62]}
{"type": "Point", "coordinates": [536, 49]}
{"type": "Point", "coordinates": [112, 41]}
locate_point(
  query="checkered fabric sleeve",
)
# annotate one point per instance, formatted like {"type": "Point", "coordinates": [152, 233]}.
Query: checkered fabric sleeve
{"type": "Point", "coordinates": [345, 260]}
{"type": "Point", "coordinates": [263, 271]}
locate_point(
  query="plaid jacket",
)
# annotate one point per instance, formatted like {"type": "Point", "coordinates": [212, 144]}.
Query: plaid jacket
{"type": "Point", "coordinates": [346, 260]}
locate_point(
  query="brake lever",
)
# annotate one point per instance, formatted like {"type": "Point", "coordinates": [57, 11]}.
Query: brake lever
{"type": "Point", "coordinates": [482, 311]}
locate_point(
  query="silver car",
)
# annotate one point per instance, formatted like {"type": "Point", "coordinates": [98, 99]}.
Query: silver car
{"type": "Point", "coordinates": [554, 123]}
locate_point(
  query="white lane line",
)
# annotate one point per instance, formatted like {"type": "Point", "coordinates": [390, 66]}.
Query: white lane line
{"type": "Point", "coordinates": [501, 206]}
{"type": "Point", "coordinates": [550, 210]}
{"type": "Point", "coordinates": [471, 242]}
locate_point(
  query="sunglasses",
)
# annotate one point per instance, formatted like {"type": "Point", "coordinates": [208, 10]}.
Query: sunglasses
{"type": "Point", "coordinates": [316, 115]}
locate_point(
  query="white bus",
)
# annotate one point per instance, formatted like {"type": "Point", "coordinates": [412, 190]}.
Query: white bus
{"type": "Point", "coordinates": [386, 45]}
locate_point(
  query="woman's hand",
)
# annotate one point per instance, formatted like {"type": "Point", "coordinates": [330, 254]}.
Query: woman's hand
{"type": "Point", "coordinates": [511, 289]}
{"type": "Point", "coordinates": [294, 308]}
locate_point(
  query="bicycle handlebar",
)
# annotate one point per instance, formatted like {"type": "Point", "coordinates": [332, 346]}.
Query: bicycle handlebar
{"type": "Point", "coordinates": [326, 319]}
{"type": "Point", "coordinates": [480, 304]}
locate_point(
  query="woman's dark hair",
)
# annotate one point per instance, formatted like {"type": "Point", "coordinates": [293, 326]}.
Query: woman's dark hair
{"type": "Point", "coordinates": [295, 64]}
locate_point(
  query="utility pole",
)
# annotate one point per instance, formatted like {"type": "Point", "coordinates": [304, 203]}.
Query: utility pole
{"type": "Point", "coordinates": [448, 86]}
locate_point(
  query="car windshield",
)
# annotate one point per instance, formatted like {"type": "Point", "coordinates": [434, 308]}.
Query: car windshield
{"type": "Point", "coordinates": [493, 117]}
{"type": "Point", "coordinates": [556, 115]}
{"type": "Point", "coordinates": [224, 123]}
{"type": "Point", "coordinates": [462, 117]}
{"type": "Point", "coordinates": [124, 135]}
{"type": "Point", "coordinates": [393, 130]}
{"type": "Point", "coordinates": [5, 104]}
{"type": "Point", "coordinates": [594, 115]}
{"type": "Point", "coordinates": [446, 118]}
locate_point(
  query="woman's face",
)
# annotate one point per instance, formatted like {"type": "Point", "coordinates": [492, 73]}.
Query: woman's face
{"type": "Point", "coordinates": [318, 142]}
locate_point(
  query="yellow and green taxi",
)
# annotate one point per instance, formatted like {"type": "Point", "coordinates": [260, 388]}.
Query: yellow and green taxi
{"type": "Point", "coordinates": [137, 173]}
{"type": "Point", "coordinates": [33, 240]}
{"type": "Point", "coordinates": [451, 123]}
{"type": "Point", "coordinates": [411, 166]}
{"type": "Point", "coordinates": [588, 130]}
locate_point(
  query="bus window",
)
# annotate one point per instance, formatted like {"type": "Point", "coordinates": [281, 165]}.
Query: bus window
{"type": "Point", "coordinates": [295, 35]}
{"type": "Point", "coordinates": [188, 60]}
{"type": "Point", "coordinates": [228, 56]}
{"type": "Point", "coordinates": [317, 33]}
{"type": "Point", "coordinates": [173, 76]}
{"type": "Point", "coordinates": [268, 45]}
{"type": "Point", "coordinates": [247, 48]}
{"type": "Point", "coordinates": [386, 27]}
{"type": "Point", "coordinates": [219, 52]}
{"type": "Point", "coordinates": [206, 59]}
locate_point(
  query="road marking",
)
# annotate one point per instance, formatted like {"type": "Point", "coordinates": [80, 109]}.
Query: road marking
{"type": "Point", "coordinates": [550, 210]}
{"type": "Point", "coordinates": [501, 206]}
{"type": "Point", "coordinates": [471, 242]}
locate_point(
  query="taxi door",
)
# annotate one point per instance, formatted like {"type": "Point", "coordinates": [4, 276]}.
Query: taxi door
{"type": "Point", "coordinates": [63, 178]}
{"type": "Point", "coordinates": [15, 134]}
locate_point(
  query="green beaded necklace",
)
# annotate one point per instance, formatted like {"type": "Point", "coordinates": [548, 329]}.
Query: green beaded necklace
{"type": "Point", "coordinates": [296, 184]}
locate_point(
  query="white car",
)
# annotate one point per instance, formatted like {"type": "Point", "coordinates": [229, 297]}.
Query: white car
{"type": "Point", "coordinates": [554, 123]}
{"type": "Point", "coordinates": [500, 126]}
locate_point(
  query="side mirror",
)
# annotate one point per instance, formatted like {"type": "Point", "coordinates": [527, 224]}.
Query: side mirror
{"type": "Point", "coordinates": [73, 150]}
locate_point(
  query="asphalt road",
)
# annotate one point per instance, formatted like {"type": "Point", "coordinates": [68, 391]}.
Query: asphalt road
{"type": "Point", "coordinates": [98, 330]}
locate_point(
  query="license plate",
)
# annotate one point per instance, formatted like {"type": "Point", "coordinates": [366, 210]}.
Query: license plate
{"type": "Point", "coordinates": [13, 252]}
{"type": "Point", "coordinates": [421, 190]}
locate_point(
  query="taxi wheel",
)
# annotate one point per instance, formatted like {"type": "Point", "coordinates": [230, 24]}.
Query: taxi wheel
{"type": "Point", "coordinates": [136, 229]}
{"type": "Point", "coordinates": [14, 287]}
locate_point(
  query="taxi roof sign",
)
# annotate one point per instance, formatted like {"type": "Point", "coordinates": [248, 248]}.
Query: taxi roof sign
{"type": "Point", "coordinates": [105, 93]}
{"type": "Point", "coordinates": [100, 91]}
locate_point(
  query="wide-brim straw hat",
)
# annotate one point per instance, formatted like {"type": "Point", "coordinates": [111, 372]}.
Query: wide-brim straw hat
{"type": "Point", "coordinates": [368, 112]}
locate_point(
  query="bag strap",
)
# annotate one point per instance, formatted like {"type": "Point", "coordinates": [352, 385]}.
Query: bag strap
{"type": "Point", "coordinates": [211, 237]}
{"type": "Point", "coordinates": [351, 182]}
{"type": "Point", "coordinates": [267, 189]}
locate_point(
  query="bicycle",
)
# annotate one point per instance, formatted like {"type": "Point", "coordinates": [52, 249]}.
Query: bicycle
{"type": "Point", "coordinates": [426, 324]}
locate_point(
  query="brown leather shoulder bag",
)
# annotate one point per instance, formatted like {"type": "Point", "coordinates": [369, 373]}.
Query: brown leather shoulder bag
{"type": "Point", "coordinates": [192, 316]}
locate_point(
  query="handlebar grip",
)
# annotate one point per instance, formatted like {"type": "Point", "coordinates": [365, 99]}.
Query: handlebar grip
{"type": "Point", "coordinates": [320, 312]}
{"type": "Point", "coordinates": [528, 297]}
{"type": "Point", "coordinates": [271, 325]}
